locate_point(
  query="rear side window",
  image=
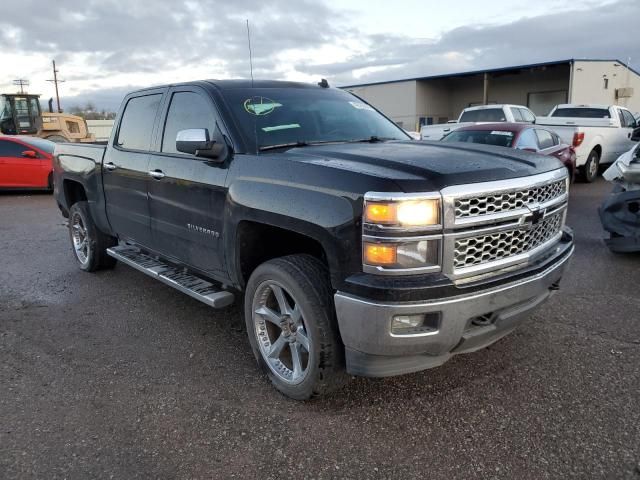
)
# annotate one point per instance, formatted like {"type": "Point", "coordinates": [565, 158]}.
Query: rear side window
{"type": "Point", "coordinates": [545, 139]}
{"type": "Point", "coordinates": [187, 110]}
{"type": "Point", "coordinates": [527, 116]}
{"type": "Point", "coordinates": [527, 139]}
{"type": "Point", "coordinates": [136, 126]}
{"type": "Point", "coordinates": [582, 112]}
{"type": "Point", "coordinates": [11, 149]}
{"type": "Point", "coordinates": [484, 115]}
{"type": "Point", "coordinates": [517, 115]}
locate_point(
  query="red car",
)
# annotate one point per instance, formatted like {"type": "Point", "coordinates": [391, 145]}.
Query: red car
{"type": "Point", "coordinates": [26, 163]}
{"type": "Point", "coordinates": [523, 136]}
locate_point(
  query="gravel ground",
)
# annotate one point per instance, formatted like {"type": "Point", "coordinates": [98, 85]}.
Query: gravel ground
{"type": "Point", "coordinates": [114, 375]}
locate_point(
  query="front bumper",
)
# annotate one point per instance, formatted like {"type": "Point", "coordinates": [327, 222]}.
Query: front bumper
{"type": "Point", "coordinates": [467, 322]}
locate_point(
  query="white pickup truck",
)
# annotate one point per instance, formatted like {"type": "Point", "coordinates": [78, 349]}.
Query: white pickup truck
{"type": "Point", "coordinates": [599, 133]}
{"type": "Point", "coordinates": [479, 114]}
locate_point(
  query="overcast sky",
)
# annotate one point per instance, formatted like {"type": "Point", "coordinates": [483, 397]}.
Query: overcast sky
{"type": "Point", "coordinates": [106, 47]}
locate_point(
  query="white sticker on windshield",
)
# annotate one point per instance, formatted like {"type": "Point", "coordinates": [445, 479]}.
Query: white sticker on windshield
{"type": "Point", "coordinates": [361, 106]}
{"type": "Point", "coordinates": [280, 127]}
{"type": "Point", "coordinates": [501, 132]}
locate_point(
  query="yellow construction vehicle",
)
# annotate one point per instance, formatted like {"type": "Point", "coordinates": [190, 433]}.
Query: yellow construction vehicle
{"type": "Point", "coordinates": [20, 114]}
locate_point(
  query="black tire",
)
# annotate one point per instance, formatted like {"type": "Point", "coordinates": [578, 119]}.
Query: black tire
{"type": "Point", "coordinates": [50, 183]}
{"type": "Point", "coordinates": [589, 171]}
{"type": "Point", "coordinates": [82, 226]}
{"type": "Point", "coordinates": [305, 281]}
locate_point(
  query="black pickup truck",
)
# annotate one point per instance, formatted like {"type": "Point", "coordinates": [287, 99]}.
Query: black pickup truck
{"type": "Point", "coordinates": [355, 249]}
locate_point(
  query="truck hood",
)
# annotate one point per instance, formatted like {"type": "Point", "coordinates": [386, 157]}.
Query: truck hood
{"type": "Point", "coordinates": [423, 166]}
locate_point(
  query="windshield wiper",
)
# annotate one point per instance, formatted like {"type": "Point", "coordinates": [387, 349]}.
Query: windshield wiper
{"type": "Point", "coordinates": [284, 145]}
{"type": "Point", "coordinates": [299, 143]}
{"type": "Point", "coordinates": [372, 139]}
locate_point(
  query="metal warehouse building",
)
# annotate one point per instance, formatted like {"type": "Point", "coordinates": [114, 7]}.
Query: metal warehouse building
{"type": "Point", "coordinates": [437, 99]}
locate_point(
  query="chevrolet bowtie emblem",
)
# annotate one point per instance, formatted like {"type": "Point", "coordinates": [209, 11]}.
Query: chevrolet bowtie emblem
{"type": "Point", "coordinates": [536, 215]}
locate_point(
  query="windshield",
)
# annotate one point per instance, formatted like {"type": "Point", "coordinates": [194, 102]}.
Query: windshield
{"type": "Point", "coordinates": [582, 112]}
{"type": "Point", "coordinates": [501, 138]}
{"type": "Point", "coordinates": [483, 115]}
{"type": "Point", "coordinates": [270, 117]}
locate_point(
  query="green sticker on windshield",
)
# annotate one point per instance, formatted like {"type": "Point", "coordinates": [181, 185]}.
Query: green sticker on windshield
{"type": "Point", "coordinates": [260, 105]}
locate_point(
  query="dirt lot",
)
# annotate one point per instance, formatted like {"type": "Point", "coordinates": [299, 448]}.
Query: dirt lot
{"type": "Point", "coordinates": [114, 375]}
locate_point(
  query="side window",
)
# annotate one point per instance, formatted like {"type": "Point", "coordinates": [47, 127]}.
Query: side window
{"type": "Point", "coordinates": [517, 115]}
{"type": "Point", "coordinates": [187, 110]}
{"type": "Point", "coordinates": [137, 121]}
{"type": "Point", "coordinates": [545, 139]}
{"type": "Point", "coordinates": [11, 149]}
{"type": "Point", "coordinates": [527, 116]}
{"type": "Point", "coordinates": [629, 120]}
{"type": "Point", "coordinates": [527, 139]}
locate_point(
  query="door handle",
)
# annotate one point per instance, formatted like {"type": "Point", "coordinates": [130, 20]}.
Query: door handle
{"type": "Point", "coordinates": [157, 174]}
{"type": "Point", "coordinates": [110, 166]}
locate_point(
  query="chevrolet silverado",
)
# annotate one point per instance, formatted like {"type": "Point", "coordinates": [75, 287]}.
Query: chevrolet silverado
{"type": "Point", "coordinates": [353, 249]}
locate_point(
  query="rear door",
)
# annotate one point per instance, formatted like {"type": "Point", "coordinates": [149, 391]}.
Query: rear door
{"type": "Point", "coordinates": [18, 170]}
{"type": "Point", "coordinates": [629, 127]}
{"type": "Point", "coordinates": [125, 171]}
{"type": "Point", "coordinates": [187, 202]}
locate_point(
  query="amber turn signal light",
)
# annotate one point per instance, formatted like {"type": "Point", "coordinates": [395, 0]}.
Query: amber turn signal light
{"type": "Point", "coordinates": [380, 254]}
{"type": "Point", "coordinates": [379, 212]}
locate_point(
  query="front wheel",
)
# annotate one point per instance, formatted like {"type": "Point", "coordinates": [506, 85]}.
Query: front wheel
{"type": "Point", "coordinates": [590, 169]}
{"type": "Point", "coordinates": [89, 244]}
{"type": "Point", "coordinates": [292, 327]}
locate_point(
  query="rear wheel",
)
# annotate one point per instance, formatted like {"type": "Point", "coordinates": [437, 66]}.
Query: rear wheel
{"type": "Point", "coordinates": [589, 170]}
{"type": "Point", "coordinates": [292, 327]}
{"type": "Point", "coordinates": [50, 183]}
{"type": "Point", "coordinates": [89, 244]}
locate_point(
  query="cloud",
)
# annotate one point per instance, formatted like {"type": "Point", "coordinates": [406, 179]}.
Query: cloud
{"type": "Point", "coordinates": [106, 47]}
{"type": "Point", "coordinates": [603, 32]}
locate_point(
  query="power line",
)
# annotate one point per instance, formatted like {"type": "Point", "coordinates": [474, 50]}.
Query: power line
{"type": "Point", "coordinates": [56, 81]}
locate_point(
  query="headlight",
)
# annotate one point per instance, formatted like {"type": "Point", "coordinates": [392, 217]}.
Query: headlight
{"type": "Point", "coordinates": [405, 213]}
{"type": "Point", "coordinates": [401, 233]}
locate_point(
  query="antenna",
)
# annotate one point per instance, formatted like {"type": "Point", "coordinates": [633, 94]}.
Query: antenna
{"type": "Point", "coordinates": [21, 82]}
{"type": "Point", "coordinates": [250, 53]}
{"type": "Point", "coordinates": [255, 121]}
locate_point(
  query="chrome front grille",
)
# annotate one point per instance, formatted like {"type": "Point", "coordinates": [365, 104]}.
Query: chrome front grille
{"type": "Point", "coordinates": [506, 201]}
{"type": "Point", "coordinates": [491, 226]}
{"type": "Point", "coordinates": [491, 247]}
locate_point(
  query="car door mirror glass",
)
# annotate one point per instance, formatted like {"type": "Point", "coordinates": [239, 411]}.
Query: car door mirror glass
{"type": "Point", "coordinates": [196, 141]}
{"type": "Point", "coordinates": [30, 154]}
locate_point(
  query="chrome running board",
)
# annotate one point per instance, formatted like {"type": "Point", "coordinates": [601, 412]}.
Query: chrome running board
{"type": "Point", "coordinates": [177, 278]}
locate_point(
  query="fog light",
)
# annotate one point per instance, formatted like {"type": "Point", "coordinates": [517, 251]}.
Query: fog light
{"type": "Point", "coordinates": [415, 324]}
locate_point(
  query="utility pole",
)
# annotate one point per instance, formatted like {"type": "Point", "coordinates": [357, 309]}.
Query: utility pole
{"type": "Point", "coordinates": [21, 82]}
{"type": "Point", "coordinates": [55, 82]}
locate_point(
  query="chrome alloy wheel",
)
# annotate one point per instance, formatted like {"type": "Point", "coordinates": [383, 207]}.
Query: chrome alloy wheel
{"type": "Point", "coordinates": [280, 331]}
{"type": "Point", "coordinates": [79, 238]}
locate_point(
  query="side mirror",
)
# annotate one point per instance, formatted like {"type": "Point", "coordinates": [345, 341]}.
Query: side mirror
{"type": "Point", "coordinates": [196, 141]}
{"type": "Point", "coordinates": [30, 154]}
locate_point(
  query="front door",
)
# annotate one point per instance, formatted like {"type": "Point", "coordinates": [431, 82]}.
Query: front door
{"type": "Point", "coordinates": [126, 169]}
{"type": "Point", "coordinates": [19, 170]}
{"type": "Point", "coordinates": [187, 194]}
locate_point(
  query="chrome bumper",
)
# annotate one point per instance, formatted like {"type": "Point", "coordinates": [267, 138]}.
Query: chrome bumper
{"type": "Point", "coordinates": [371, 349]}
